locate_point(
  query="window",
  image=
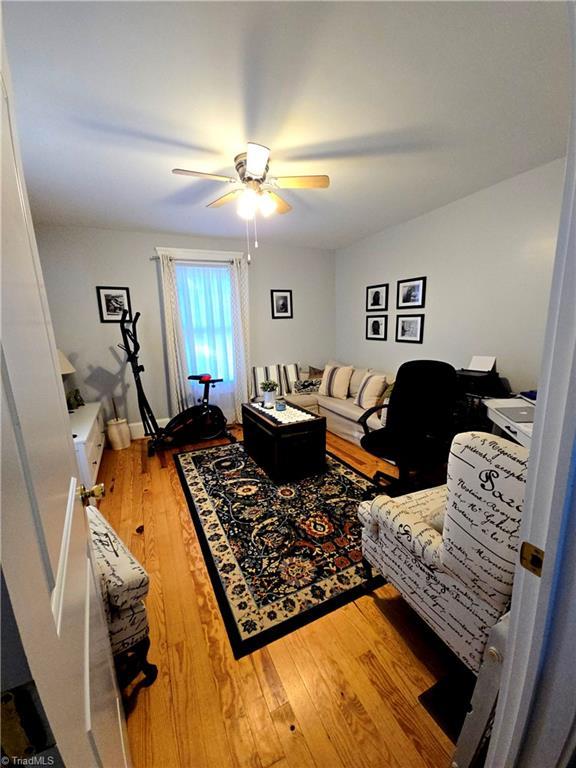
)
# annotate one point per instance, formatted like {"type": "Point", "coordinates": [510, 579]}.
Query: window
{"type": "Point", "coordinates": [205, 313]}
{"type": "Point", "coordinates": [205, 307]}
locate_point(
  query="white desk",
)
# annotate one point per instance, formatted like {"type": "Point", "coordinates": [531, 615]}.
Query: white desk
{"type": "Point", "coordinates": [520, 432]}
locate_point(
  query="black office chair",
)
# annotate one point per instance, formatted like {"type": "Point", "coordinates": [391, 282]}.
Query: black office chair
{"type": "Point", "coordinates": [420, 425]}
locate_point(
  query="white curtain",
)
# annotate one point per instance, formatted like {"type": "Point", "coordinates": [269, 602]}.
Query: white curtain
{"type": "Point", "coordinates": [240, 305]}
{"type": "Point", "coordinates": [178, 389]}
{"type": "Point", "coordinates": [206, 322]}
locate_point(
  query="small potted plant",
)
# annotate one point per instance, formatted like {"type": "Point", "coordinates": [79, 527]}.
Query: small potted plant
{"type": "Point", "coordinates": [269, 389]}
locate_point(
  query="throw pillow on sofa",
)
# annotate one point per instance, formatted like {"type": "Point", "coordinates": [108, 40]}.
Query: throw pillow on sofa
{"type": "Point", "coordinates": [307, 386]}
{"type": "Point", "coordinates": [335, 381]}
{"type": "Point", "coordinates": [291, 376]}
{"type": "Point", "coordinates": [356, 379]}
{"type": "Point", "coordinates": [385, 401]}
{"type": "Point", "coordinates": [370, 390]}
{"type": "Point", "coordinates": [262, 373]}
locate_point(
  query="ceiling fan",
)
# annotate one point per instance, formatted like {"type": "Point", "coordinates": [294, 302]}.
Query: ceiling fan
{"type": "Point", "coordinates": [253, 189]}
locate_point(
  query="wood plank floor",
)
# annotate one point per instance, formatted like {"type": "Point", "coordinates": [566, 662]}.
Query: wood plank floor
{"type": "Point", "coordinates": [338, 693]}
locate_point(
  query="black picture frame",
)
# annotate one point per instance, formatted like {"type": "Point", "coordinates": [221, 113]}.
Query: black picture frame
{"type": "Point", "coordinates": [112, 301]}
{"type": "Point", "coordinates": [378, 293]}
{"type": "Point", "coordinates": [281, 301]}
{"type": "Point", "coordinates": [411, 293]}
{"type": "Point", "coordinates": [372, 334]}
{"type": "Point", "coordinates": [410, 329]}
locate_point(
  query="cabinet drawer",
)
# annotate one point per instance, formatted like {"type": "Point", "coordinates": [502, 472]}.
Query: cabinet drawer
{"type": "Point", "coordinates": [94, 455]}
{"type": "Point", "coordinates": [509, 429]}
{"type": "Point", "coordinates": [96, 434]}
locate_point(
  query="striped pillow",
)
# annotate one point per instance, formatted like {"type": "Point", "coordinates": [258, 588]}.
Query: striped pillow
{"type": "Point", "coordinates": [335, 381]}
{"type": "Point", "coordinates": [370, 390]}
{"type": "Point", "coordinates": [356, 379]}
{"type": "Point", "coordinates": [385, 401]}
{"type": "Point", "coordinates": [291, 374]}
{"type": "Point", "coordinates": [266, 373]}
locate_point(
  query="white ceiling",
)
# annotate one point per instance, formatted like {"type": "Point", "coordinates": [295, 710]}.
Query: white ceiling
{"type": "Point", "coordinates": [407, 106]}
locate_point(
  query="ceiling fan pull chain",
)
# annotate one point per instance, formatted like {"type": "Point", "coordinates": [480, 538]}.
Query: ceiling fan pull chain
{"type": "Point", "coordinates": [255, 232]}
{"type": "Point", "coordinates": [248, 258]}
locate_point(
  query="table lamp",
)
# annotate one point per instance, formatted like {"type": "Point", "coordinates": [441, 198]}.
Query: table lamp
{"type": "Point", "coordinates": [65, 364]}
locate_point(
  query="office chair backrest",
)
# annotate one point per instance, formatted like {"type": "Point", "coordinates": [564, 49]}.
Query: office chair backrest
{"type": "Point", "coordinates": [423, 398]}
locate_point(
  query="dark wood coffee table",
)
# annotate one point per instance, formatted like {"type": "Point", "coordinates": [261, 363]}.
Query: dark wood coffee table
{"type": "Point", "coordinates": [284, 451]}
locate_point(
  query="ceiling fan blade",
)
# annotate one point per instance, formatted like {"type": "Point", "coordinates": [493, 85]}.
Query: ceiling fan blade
{"type": "Point", "coordinates": [207, 176]}
{"type": "Point", "coordinates": [281, 205]}
{"type": "Point", "coordinates": [303, 182]}
{"type": "Point", "coordinates": [227, 198]}
{"type": "Point", "coordinates": [256, 160]}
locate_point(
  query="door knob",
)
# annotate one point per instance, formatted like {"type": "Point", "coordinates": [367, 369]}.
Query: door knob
{"type": "Point", "coordinates": [84, 494]}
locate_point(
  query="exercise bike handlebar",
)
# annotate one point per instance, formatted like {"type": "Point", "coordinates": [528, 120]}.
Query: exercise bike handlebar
{"type": "Point", "coordinates": [205, 378]}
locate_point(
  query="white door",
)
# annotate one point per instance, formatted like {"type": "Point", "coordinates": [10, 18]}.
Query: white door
{"type": "Point", "coordinates": [45, 542]}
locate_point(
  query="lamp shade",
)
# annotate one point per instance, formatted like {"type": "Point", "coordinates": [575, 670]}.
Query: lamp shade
{"type": "Point", "coordinates": [65, 364]}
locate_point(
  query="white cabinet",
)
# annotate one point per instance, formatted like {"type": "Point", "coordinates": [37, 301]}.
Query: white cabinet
{"type": "Point", "coordinates": [521, 432]}
{"type": "Point", "coordinates": [87, 423]}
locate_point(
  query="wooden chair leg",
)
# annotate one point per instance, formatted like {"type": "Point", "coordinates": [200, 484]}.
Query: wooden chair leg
{"type": "Point", "coordinates": [133, 661]}
{"type": "Point", "coordinates": [150, 671]}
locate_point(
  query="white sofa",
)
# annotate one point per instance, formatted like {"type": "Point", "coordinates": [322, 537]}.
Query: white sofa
{"type": "Point", "coordinates": [341, 415]}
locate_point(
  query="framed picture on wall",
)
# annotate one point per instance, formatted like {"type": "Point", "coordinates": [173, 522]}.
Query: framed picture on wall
{"type": "Point", "coordinates": [410, 328]}
{"type": "Point", "coordinates": [376, 327]}
{"type": "Point", "coordinates": [281, 304]}
{"type": "Point", "coordinates": [411, 294]}
{"type": "Point", "coordinates": [377, 298]}
{"type": "Point", "coordinates": [112, 302]}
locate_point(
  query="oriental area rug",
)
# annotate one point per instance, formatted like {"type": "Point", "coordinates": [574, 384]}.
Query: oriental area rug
{"type": "Point", "coordinates": [278, 556]}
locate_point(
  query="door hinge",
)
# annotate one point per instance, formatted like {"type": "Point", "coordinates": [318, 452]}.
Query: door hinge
{"type": "Point", "coordinates": [531, 558]}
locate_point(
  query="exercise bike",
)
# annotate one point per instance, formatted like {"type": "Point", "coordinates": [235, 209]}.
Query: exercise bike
{"type": "Point", "coordinates": [209, 420]}
{"type": "Point", "coordinates": [199, 422]}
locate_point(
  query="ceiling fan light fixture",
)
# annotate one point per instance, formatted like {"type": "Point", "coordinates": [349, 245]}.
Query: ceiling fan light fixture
{"type": "Point", "coordinates": [247, 204]}
{"type": "Point", "coordinates": [267, 204]}
{"type": "Point", "coordinates": [256, 160]}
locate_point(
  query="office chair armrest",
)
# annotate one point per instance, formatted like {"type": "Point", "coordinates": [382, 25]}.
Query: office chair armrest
{"type": "Point", "coordinates": [366, 415]}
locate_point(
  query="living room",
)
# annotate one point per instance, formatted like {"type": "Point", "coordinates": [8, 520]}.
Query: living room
{"type": "Point", "coordinates": [443, 129]}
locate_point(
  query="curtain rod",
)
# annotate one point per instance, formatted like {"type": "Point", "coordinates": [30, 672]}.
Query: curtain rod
{"type": "Point", "coordinates": [196, 261]}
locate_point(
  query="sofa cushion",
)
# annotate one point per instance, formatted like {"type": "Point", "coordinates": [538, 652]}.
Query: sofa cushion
{"type": "Point", "coordinates": [344, 408]}
{"type": "Point", "coordinates": [309, 402]}
{"type": "Point", "coordinates": [385, 401]}
{"type": "Point", "coordinates": [373, 422]}
{"type": "Point", "coordinates": [370, 390]}
{"type": "Point", "coordinates": [335, 381]}
{"type": "Point", "coordinates": [356, 379]}
{"type": "Point", "coordinates": [291, 374]}
{"type": "Point", "coordinates": [262, 373]}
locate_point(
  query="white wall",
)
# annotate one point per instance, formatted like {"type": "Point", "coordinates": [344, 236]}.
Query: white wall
{"type": "Point", "coordinates": [488, 259]}
{"type": "Point", "coordinates": [77, 259]}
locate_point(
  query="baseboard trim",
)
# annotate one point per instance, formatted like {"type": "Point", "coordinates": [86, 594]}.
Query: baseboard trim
{"type": "Point", "coordinates": [137, 428]}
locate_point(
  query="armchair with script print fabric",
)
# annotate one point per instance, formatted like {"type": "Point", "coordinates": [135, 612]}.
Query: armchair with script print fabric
{"type": "Point", "coordinates": [451, 550]}
{"type": "Point", "coordinates": [124, 585]}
